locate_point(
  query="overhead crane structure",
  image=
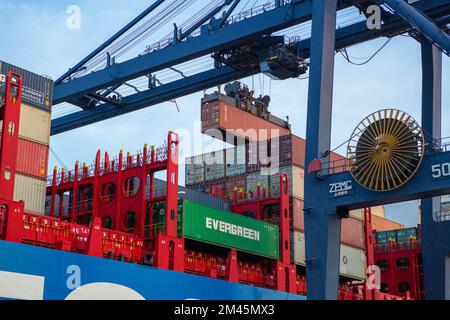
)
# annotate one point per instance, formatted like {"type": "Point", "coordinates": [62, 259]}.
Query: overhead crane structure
{"type": "Point", "coordinates": [225, 38]}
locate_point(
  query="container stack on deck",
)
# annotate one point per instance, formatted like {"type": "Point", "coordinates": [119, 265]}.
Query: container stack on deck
{"type": "Point", "coordinates": [34, 137]}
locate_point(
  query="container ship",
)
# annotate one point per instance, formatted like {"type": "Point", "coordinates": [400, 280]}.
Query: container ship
{"type": "Point", "coordinates": [112, 230]}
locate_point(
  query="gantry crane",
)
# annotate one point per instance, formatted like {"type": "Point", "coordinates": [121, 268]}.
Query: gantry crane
{"type": "Point", "coordinates": [252, 42]}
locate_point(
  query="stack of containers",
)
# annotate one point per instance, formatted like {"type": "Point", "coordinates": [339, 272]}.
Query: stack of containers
{"type": "Point", "coordinates": [215, 165]}
{"type": "Point", "coordinates": [34, 137]}
{"type": "Point", "coordinates": [235, 164]}
{"type": "Point", "coordinates": [352, 256]}
{"type": "Point", "coordinates": [195, 170]}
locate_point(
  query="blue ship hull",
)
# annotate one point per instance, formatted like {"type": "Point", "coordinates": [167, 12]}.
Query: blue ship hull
{"type": "Point", "coordinates": [28, 272]}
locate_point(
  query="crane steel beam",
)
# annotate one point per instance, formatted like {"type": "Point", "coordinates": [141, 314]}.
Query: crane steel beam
{"type": "Point", "coordinates": [422, 23]}
{"type": "Point", "coordinates": [141, 100]}
{"type": "Point", "coordinates": [108, 42]}
{"type": "Point", "coordinates": [346, 36]}
{"type": "Point", "coordinates": [226, 37]}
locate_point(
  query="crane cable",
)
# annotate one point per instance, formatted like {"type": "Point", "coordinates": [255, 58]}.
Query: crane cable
{"type": "Point", "coordinates": [344, 53]}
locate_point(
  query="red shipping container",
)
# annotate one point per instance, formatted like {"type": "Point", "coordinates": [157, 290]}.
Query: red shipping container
{"type": "Point", "coordinates": [32, 159]}
{"type": "Point", "coordinates": [231, 118]}
{"type": "Point", "coordinates": [352, 232]}
{"type": "Point", "coordinates": [297, 214]}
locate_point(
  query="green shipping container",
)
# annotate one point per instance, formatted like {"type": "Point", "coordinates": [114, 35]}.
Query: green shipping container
{"type": "Point", "coordinates": [230, 230]}
{"type": "Point", "coordinates": [411, 233]}
{"type": "Point", "coordinates": [381, 238]}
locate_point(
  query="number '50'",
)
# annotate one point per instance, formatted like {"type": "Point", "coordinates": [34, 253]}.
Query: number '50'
{"type": "Point", "coordinates": [441, 170]}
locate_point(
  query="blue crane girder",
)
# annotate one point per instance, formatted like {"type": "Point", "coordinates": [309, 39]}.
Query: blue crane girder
{"type": "Point", "coordinates": [346, 36]}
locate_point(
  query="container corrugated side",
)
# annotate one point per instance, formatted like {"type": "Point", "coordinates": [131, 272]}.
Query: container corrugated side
{"type": "Point", "coordinates": [32, 159]}
{"type": "Point", "coordinates": [32, 191]}
{"type": "Point", "coordinates": [203, 198]}
{"type": "Point", "coordinates": [298, 151]}
{"type": "Point", "coordinates": [352, 262]}
{"type": "Point", "coordinates": [297, 214]}
{"type": "Point", "coordinates": [352, 232]}
{"type": "Point", "coordinates": [35, 124]}
{"type": "Point", "coordinates": [383, 224]}
{"type": "Point", "coordinates": [37, 90]}
{"type": "Point", "coordinates": [247, 125]}
{"type": "Point", "coordinates": [230, 230]}
{"type": "Point", "coordinates": [296, 181]}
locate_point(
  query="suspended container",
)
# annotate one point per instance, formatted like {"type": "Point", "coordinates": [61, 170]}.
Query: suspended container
{"type": "Point", "coordinates": [219, 112]}
{"type": "Point", "coordinates": [223, 228]}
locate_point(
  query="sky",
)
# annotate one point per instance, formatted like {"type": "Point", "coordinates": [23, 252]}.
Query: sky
{"type": "Point", "coordinates": [35, 36]}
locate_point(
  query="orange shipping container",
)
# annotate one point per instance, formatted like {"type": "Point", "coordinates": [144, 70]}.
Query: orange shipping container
{"type": "Point", "coordinates": [298, 151]}
{"type": "Point", "coordinates": [297, 214]}
{"type": "Point", "coordinates": [238, 122]}
{"type": "Point", "coordinates": [352, 232]}
{"type": "Point", "coordinates": [382, 224]}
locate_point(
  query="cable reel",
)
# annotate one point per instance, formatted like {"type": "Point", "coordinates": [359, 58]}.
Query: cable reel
{"type": "Point", "coordinates": [385, 150]}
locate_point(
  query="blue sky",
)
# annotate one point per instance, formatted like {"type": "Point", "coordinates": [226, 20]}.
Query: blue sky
{"type": "Point", "coordinates": [35, 36]}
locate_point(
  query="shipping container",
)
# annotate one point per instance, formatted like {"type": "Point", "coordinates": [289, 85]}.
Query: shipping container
{"type": "Point", "coordinates": [218, 185]}
{"type": "Point", "coordinates": [298, 151]}
{"type": "Point", "coordinates": [377, 211]}
{"type": "Point", "coordinates": [254, 179]}
{"type": "Point", "coordinates": [32, 159]}
{"type": "Point", "coordinates": [194, 170]}
{"type": "Point", "coordinates": [296, 181]}
{"type": "Point", "coordinates": [239, 182]}
{"type": "Point", "coordinates": [230, 230]}
{"type": "Point", "coordinates": [352, 232]}
{"type": "Point", "coordinates": [357, 214]}
{"type": "Point", "coordinates": [235, 161]}
{"type": "Point", "coordinates": [352, 262]}
{"type": "Point", "coordinates": [34, 124]}
{"type": "Point", "coordinates": [37, 90]}
{"type": "Point", "coordinates": [297, 214]}
{"type": "Point", "coordinates": [397, 236]}
{"type": "Point", "coordinates": [299, 248]}
{"type": "Point", "coordinates": [381, 238]}
{"type": "Point", "coordinates": [32, 191]}
{"type": "Point", "coordinates": [234, 121]}
{"type": "Point", "coordinates": [214, 165]}
{"type": "Point", "coordinates": [203, 198]}
{"type": "Point", "coordinates": [383, 224]}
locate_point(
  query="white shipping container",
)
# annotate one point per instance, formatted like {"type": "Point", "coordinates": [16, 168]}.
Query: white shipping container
{"type": "Point", "coordinates": [35, 124]}
{"type": "Point", "coordinates": [357, 214]}
{"type": "Point", "coordinates": [352, 261]}
{"type": "Point", "coordinates": [32, 191]}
